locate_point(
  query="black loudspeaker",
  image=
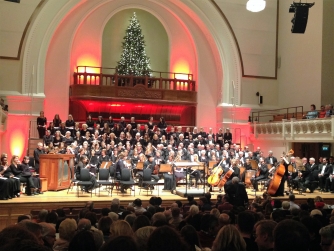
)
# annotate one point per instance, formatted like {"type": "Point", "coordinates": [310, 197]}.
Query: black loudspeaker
{"type": "Point", "coordinates": [299, 21]}
{"type": "Point", "coordinates": [13, 1]}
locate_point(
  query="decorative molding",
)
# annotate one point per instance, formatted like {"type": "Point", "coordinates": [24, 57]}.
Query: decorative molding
{"type": "Point", "coordinates": [139, 92]}
{"type": "Point", "coordinates": [237, 44]}
{"type": "Point", "coordinates": [24, 33]}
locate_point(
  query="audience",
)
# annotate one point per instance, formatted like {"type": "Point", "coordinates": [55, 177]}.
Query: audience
{"type": "Point", "coordinates": [308, 229]}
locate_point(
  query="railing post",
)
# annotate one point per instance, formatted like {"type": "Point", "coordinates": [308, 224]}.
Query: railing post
{"type": "Point", "coordinates": [283, 127]}
{"type": "Point", "coordinates": [146, 81]}
{"type": "Point", "coordinates": [292, 120]}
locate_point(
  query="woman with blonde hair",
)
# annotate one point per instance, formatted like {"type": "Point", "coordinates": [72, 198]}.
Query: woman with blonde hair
{"type": "Point", "coordinates": [120, 228]}
{"type": "Point", "coordinates": [229, 238]}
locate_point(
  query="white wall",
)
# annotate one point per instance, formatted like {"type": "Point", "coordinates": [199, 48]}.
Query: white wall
{"type": "Point", "coordinates": [300, 73]}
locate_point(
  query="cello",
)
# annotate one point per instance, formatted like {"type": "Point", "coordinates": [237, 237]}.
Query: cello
{"type": "Point", "coordinates": [214, 178]}
{"type": "Point", "coordinates": [278, 176]}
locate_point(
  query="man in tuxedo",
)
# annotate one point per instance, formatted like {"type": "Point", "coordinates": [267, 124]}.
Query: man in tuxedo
{"type": "Point", "coordinates": [120, 165]}
{"type": "Point", "coordinates": [39, 150]}
{"type": "Point", "coordinates": [237, 193]}
{"type": "Point", "coordinates": [271, 159]}
{"type": "Point", "coordinates": [324, 170]}
{"type": "Point", "coordinates": [263, 174]}
{"type": "Point", "coordinates": [310, 174]}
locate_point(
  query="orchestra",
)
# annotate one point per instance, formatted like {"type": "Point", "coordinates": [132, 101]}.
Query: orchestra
{"type": "Point", "coordinates": [137, 147]}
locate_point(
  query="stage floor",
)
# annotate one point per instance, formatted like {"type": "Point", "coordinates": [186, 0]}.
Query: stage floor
{"type": "Point", "coordinates": [63, 196]}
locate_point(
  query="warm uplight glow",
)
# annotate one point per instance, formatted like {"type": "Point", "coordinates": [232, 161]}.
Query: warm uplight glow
{"type": "Point", "coordinates": [181, 66]}
{"type": "Point", "coordinates": [17, 140]}
{"type": "Point", "coordinates": [88, 60]}
{"type": "Point", "coordinates": [256, 5]}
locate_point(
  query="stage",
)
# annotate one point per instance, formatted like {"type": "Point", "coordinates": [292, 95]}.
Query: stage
{"type": "Point", "coordinates": [11, 209]}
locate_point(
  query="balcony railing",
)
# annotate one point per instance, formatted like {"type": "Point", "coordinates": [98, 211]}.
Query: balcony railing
{"type": "Point", "coordinates": [88, 75]}
{"type": "Point", "coordinates": [296, 129]}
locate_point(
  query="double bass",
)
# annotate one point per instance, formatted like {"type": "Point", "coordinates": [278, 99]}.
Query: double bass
{"type": "Point", "coordinates": [278, 176]}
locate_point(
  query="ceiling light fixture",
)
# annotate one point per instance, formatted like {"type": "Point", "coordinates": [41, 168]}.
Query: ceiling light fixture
{"type": "Point", "coordinates": [256, 5]}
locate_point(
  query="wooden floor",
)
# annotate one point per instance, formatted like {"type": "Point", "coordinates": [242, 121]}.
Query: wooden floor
{"type": "Point", "coordinates": [11, 209]}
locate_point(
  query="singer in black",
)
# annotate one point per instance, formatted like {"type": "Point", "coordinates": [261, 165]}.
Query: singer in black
{"type": "Point", "coordinates": [41, 125]}
{"type": "Point", "coordinates": [262, 174]}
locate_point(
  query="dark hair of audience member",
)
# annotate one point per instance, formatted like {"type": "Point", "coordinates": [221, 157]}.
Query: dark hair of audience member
{"type": "Point", "coordinates": [208, 196]}
{"type": "Point", "coordinates": [229, 238]}
{"type": "Point", "coordinates": [304, 207]}
{"type": "Point", "coordinates": [152, 200]}
{"type": "Point", "coordinates": [22, 217]}
{"type": "Point", "coordinates": [179, 203]}
{"type": "Point", "coordinates": [104, 225]}
{"type": "Point", "coordinates": [313, 226]}
{"type": "Point", "coordinates": [277, 216]}
{"type": "Point", "coordinates": [51, 217]}
{"type": "Point", "coordinates": [158, 201]}
{"type": "Point", "coordinates": [268, 209]}
{"type": "Point", "coordinates": [16, 233]}
{"type": "Point", "coordinates": [151, 210]}
{"type": "Point", "coordinates": [124, 214]}
{"type": "Point", "coordinates": [105, 211]}
{"type": "Point", "coordinates": [23, 245]}
{"type": "Point", "coordinates": [120, 243]}
{"type": "Point", "coordinates": [310, 203]}
{"type": "Point", "coordinates": [209, 224]}
{"type": "Point", "coordinates": [92, 217]}
{"type": "Point", "coordinates": [61, 213]}
{"type": "Point", "coordinates": [130, 218]}
{"type": "Point", "coordinates": [166, 238]}
{"type": "Point", "coordinates": [140, 221]}
{"type": "Point", "coordinates": [83, 212]}
{"type": "Point", "coordinates": [277, 204]}
{"type": "Point", "coordinates": [290, 235]}
{"type": "Point", "coordinates": [42, 215]}
{"type": "Point", "coordinates": [83, 241]}
{"type": "Point", "coordinates": [190, 236]}
{"type": "Point", "coordinates": [246, 222]}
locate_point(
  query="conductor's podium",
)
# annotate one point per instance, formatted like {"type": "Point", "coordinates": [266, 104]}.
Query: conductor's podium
{"type": "Point", "coordinates": [57, 169]}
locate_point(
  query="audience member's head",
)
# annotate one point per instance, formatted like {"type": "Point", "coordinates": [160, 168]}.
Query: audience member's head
{"type": "Point", "coordinates": [190, 236]}
{"type": "Point", "coordinates": [327, 236]}
{"type": "Point", "coordinates": [224, 219]}
{"type": "Point", "coordinates": [120, 243]}
{"type": "Point", "coordinates": [246, 222]}
{"type": "Point", "coordinates": [215, 212]}
{"type": "Point", "coordinates": [130, 218]}
{"type": "Point", "coordinates": [48, 233]}
{"type": "Point", "coordinates": [105, 211]}
{"type": "Point", "coordinates": [139, 222]}
{"type": "Point", "coordinates": [165, 239]}
{"type": "Point", "coordinates": [52, 218]}
{"type": "Point", "coordinates": [16, 233]}
{"type": "Point", "coordinates": [33, 228]}
{"type": "Point", "coordinates": [42, 215]}
{"type": "Point", "coordinates": [91, 216]}
{"type": "Point", "coordinates": [264, 234]}
{"type": "Point", "coordinates": [104, 225]}
{"type": "Point", "coordinates": [22, 217]}
{"type": "Point", "coordinates": [120, 228]}
{"type": "Point", "coordinates": [83, 241]}
{"type": "Point", "coordinates": [113, 216]}
{"type": "Point", "coordinates": [84, 224]}
{"type": "Point", "coordinates": [290, 235]}
{"type": "Point", "coordinates": [67, 229]}
{"type": "Point", "coordinates": [158, 217]}
{"type": "Point", "coordinates": [193, 210]}
{"type": "Point", "coordinates": [142, 235]}
{"type": "Point", "coordinates": [89, 205]}
{"type": "Point", "coordinates": [209, 224]}
{"type": "Point", "coordinates": [229, 238]}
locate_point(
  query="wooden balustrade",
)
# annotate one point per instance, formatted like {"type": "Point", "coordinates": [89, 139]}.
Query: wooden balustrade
{"type": "Point", "coordinates": [99, 85]}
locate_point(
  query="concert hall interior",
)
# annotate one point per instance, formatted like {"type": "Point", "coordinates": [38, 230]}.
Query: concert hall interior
{"type": "Point", "coordinates": [215, 65]}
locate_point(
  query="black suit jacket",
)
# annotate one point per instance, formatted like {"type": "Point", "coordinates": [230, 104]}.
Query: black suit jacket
{"type": "Point", "coordinates": [237, 193]}
{"type": "Point", "coordinates": [267, 160]}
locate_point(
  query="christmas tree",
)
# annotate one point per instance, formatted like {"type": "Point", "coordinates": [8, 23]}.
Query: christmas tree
{"type": "Point", "coordinates": [133, 59]}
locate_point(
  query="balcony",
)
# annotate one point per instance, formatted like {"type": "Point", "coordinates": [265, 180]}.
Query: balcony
{"type": "Point", "coordinates": [97, 83]}
{"type": "Point", "coordinates": [296, 130]}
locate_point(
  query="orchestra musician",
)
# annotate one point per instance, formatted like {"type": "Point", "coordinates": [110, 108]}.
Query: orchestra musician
{"type": "Point", "coordinates": [247, 166]}
{"type": "Point", "coordinates": [293, 176]}
{"type": "Point", "coordinates": [324, 170]}
{"type": "Point", "coordinates": [169, 178]}
{"type": "Point", "coordinates": [271, 159]}
{"type": "Point", "coordinates": [304, 175]}
{"type": "Point", "coordinates": [149, 163]}
{"type": "Point", "coordinates": [120, 165]}
{"type": "Point", "coordinates": [83, 164]}
{"type": "Point", "coordinates": [236, 173]}
{"type": "Point", "coordinates": [262, 174]}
